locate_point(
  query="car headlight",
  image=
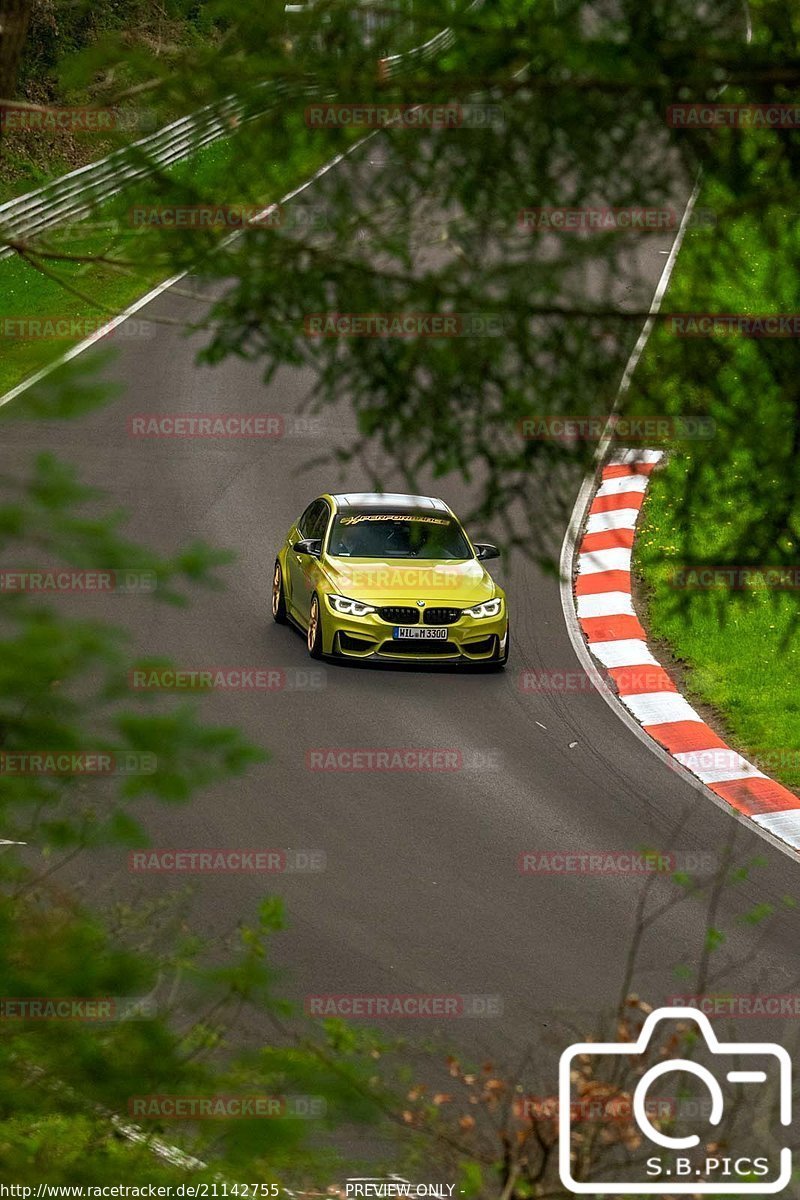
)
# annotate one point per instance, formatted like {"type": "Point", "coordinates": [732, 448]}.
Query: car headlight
{"type": "Point", "coordinates": [348, 607]}
{"type": "Point", "coordinates": [489, 608]}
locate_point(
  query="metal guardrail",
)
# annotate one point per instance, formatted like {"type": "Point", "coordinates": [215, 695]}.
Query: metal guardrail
{"type": "Point", "coordinates": [75, 194]}
{"type": "Point", "coordinates": [428, 50]}
{"type": "Point", "coordinates": [392, 65]}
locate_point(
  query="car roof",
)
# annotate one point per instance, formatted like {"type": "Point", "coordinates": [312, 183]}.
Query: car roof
{"type": "Point", "coordinates": [388, 500]}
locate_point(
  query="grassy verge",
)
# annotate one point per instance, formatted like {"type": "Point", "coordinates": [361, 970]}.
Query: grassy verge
{"type": "Point", "coordinates": [28, 177]}
{"type": "Point", "coordinates": [25, 169]}
{"type": "Point", "coordinates": [86, 291]}
{"type": "Point", "coordinates": [739, 648]}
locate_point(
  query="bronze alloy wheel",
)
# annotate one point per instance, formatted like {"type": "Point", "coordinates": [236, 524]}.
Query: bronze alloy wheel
{"type": "Point", "coordinates": [314, 639]}
{"type": "Point", "coordinates": [278, 601]}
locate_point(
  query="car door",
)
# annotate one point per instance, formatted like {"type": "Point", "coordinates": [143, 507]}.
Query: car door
{"type": "Point", "coordinates": [304, 570]}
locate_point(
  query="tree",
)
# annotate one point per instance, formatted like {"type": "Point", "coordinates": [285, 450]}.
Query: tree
{"type": "Point", "coordinates": [495, 1127]}
{"type": "Point", "coordinates": [15, 16]}
{"type": "Point", "coordinates": [557, 107]}
{"type": "Point", "coordinates": [150, 1004]}
{"type": "Point", "coordinates": [552, 109]}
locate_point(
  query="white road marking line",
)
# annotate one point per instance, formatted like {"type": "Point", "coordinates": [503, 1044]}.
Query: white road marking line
{"type": "Point", "coordinates": [625, 652]}
{"type": "Point", "coordinates": [619, 518]}
{"type": "Point", "coordinates": [606, 604]}
{"type": "Point", "coordinates": [782, 841]}
{"type": "Point", "coordinates": [660, 708]}
{"type": "Point", "coordinates": [722, 772]}
{"type": "Point", "coordinates": [647, 328]}
{"type": "Point", "coordinates": [781, 830]}
{"type": "Point", "coordinates": [93, 338]}
{"type": "Point", "coordinates": [595, 561]}
{"type": "Point", "coordinates": [624, 457]}
{"type": "Point", "coordinates": [784, 825]}
{"type": "Point", "coordinates": [623, 483]}
{"type": "Point", "coordinates": [155, 292]}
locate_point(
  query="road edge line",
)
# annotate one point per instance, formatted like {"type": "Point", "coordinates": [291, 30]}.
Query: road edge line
{"type": "Point", "coordinates": [569, 549]}
{"type": "Point", "coordinates": [114, 322]}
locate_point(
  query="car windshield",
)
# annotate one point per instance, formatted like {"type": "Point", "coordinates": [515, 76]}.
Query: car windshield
{"type": "Point", "coordinates": [370, 534]}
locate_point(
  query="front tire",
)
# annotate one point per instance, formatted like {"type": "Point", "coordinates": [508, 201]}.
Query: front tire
{"type": "Point", "coordinates": [279, 614]}
{"type": "Point", "coordinates": [314, 635]}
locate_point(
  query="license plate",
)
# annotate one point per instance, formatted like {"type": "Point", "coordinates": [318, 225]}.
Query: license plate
{"type": "Point", "coordinates": [415, 631]}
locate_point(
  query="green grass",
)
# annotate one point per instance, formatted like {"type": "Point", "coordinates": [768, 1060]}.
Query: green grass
{"type": "Point", "coordinates": [30, 177]}
{"type": "Point", "coordinates": [740, 650]}
{"type": "Point", "coordinates": [215, 171]}
{"type": "Point", "coordinates": [737, 646]}
{"type": "Point", "coordinates": [27, 292]}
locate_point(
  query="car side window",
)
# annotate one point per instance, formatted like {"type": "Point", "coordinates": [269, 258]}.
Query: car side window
{"type": "Point", "coordinates": [306, 521]}
{"type": "Point", "coordinates": [319, 520]}
{"type": "Point", "coordinates": [314, 520]}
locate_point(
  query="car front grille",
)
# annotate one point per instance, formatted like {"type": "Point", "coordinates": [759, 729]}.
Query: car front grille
{"type": "Point", "coordinates": [413, 648]}
{"type": "Point", "coordinates": [441, 616]}
{"type": "Point", "coordinates": [398, 615]}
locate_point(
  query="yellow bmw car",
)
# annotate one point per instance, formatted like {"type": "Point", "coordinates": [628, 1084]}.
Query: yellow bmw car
{"type": "Point", "coordinates": [389, 578]}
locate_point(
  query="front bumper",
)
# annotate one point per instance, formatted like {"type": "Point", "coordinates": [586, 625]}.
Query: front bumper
{"type": "Point", "coordinates": [469, 639]}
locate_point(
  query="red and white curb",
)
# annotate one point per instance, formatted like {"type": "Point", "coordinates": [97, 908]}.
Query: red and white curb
{"type": "Point", "coordinates": [615, 637]}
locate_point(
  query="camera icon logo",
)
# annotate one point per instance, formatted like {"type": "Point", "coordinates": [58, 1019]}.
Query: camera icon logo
{"type": "Point", "coordinates": [670, 1170]}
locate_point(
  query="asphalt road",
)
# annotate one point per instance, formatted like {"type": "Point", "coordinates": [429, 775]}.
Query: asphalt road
{"type": "Point", "coordinates": [421, 892]}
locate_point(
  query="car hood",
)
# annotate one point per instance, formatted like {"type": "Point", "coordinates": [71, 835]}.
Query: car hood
{"type": "Point", "coordinates": [406, 580]}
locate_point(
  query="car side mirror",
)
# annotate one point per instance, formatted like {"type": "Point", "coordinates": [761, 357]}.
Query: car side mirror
{"type": "Point", "coordinates": [310, 546]}
{"type": "Point", "coordinates": [485, 550]}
